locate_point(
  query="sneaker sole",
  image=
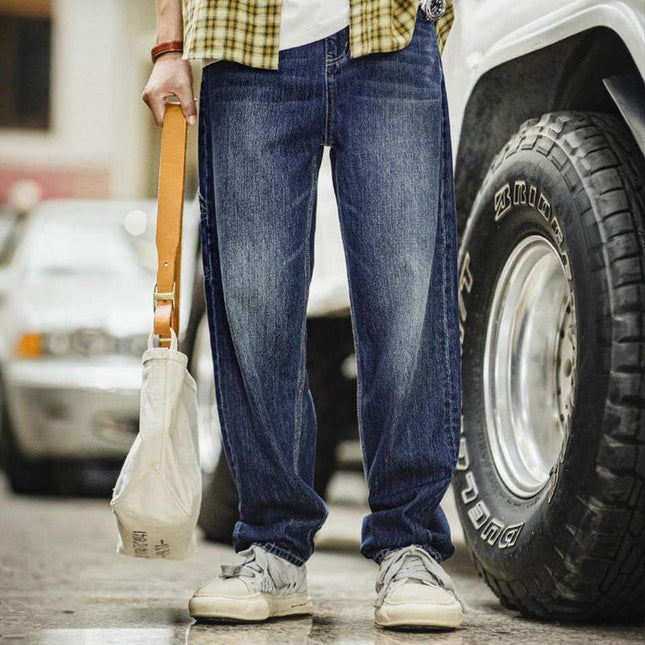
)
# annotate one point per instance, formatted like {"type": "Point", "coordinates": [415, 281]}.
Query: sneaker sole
{"type": "Point", "coordinates": [418, 615]}
{"type": "Point", "coordinates": [256, 607]}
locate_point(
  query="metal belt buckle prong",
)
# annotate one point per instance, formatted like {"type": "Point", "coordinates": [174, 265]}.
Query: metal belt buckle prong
{"type": "Point", "coordinates": [433, 9]}
{"type": "Point", "coordinates": [164, 295]}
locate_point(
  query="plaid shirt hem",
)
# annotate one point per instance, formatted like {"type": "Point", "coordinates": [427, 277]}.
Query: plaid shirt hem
{"type": "Point", "coordinates": [247, 31]}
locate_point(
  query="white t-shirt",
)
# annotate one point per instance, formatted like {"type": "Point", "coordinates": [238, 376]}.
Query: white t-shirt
{"type": "Point", "coordinates": [305, 21]}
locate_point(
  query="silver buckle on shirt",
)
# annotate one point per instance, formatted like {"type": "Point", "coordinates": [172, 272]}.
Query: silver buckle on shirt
{"type": "Point", "coordinates": [433, 9]}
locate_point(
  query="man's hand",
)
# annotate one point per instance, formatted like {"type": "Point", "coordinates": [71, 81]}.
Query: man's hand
{"type": "Point", "coordinates": [171, 76]}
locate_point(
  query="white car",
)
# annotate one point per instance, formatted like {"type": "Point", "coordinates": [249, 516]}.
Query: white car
{"type": "Point", "coordinates": [74, 323]}
{"type": "Point", "coordinates": [547, 105]}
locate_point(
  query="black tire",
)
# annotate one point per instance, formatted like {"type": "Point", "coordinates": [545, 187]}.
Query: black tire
{"type": "Point", "coordinates": [575, 549]}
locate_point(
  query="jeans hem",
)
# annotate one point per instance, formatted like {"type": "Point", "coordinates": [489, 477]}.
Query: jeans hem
{"type": "Point", "coordinates": [282, 553]}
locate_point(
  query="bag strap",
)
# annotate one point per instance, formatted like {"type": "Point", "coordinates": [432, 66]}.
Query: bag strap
{"type": "Point", "coordinates": [170, 206]}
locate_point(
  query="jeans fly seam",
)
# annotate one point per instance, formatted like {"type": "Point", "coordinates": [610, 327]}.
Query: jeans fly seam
{"type": "Point", "coordinates": [302, 367]}
{"type": "Point", "coordinates": [326, 131]}
{"type": "Point", "coordinates": [329, 60]}
{"type": "Point", "coordinates": [330, 103]}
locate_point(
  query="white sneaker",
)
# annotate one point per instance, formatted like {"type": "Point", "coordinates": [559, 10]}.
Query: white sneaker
{"type": "Point", "coordinates": [258, 585]}
{"type": "Point", "coordinates": [414, 591]}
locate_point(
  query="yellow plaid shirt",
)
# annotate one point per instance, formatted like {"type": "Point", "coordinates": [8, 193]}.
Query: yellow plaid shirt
{"type": "Point", "coordinates": [247, 31]}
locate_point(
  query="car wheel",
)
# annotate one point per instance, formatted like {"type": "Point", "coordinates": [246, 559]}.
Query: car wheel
{"type": "Point", "coordinates": [550, 482]}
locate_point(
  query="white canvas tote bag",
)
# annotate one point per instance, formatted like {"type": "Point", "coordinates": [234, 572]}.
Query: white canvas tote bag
{"type": "Point", "coordinates": [157, 496]}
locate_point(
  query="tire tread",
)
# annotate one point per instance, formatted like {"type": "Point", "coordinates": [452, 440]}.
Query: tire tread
{"type": "Point", "coordinates": [602, 573]}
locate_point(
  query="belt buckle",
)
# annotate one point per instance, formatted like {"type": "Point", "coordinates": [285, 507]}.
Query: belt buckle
{"type": "Point", "coordinates": [433, 9]}
{"type": "Point", "coordinates": [164, 295]}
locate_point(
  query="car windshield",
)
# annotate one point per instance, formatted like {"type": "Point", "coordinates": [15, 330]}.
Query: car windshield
{"type": "Point", "coordinates": [99, 243]}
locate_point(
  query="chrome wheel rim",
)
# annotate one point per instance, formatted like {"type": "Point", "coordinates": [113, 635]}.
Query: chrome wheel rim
{"type": "Point", "coordinates": [210, 438]}
{"type": "Point", "coordinates": [529, 366]}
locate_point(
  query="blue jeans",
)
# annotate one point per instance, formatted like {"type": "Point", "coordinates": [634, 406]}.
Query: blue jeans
{"type": "Point", "coordinates": [261, 138]}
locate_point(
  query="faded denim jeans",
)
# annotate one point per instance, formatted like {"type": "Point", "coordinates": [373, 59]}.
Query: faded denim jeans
{"type": "Point", "coordinates": [261, 138]}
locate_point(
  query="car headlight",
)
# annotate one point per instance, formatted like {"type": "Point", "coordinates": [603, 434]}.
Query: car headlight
{"type": "Point", "coordinates": [90, 342]}
{"type": "Point", "coordinates": [57, 344]}
{"type": "Point", "coordinates": [79, 342]}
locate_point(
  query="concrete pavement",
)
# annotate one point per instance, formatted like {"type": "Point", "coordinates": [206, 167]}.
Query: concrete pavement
{"type": "Point", "coordinates": [62, 582]}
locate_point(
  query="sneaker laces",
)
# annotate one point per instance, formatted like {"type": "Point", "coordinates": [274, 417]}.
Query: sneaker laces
{"type": "Point", "coordinates": [256, 567]}
{"type": "Point", "coordinates": [415, 563]}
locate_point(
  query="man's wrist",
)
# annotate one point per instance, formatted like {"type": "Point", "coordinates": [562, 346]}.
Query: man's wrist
{"type": "Point", "coordinates": [167, 47]}
{"type": "Point", "coordinates": [169, 57]}
{"type": "Point", "coordinates": [165, 36]}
